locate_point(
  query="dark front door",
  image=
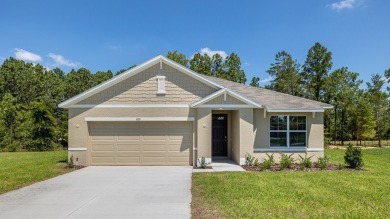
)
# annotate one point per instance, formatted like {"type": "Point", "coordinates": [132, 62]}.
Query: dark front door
{"type": "Point", "coordinates": [219, 135]}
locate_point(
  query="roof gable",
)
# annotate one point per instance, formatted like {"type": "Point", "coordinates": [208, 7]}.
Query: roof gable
{"type": "Point", "coordinates": [133, 71]}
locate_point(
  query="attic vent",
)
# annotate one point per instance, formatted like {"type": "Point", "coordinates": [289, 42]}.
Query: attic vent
{"type": "Point", "coordinates": [161, 85]}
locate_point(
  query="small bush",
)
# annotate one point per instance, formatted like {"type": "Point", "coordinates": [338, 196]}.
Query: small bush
{"type": "Point", "coordinates": [305, 162]}
{"type": "Point", "coordinates": [267, 163]}
{"type": "Point", "coordinates": [203, 164]}
{"type": "Point", "coordinates": [340, 166]}
{"type": "Point", "coordinates": [251, 160]}
{"type": "Point", "coordinates": [71, 161]}
{"type": "Point", "coordinates": [286, 161]}
{"type": "Point", "coordinates": [353, 157]}
{"type": "Point", "coordinates": [323, 162]}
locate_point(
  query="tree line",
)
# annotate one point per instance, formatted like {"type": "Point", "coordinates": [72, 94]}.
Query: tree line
{"type": "Point", "coordinates": [29, 94]}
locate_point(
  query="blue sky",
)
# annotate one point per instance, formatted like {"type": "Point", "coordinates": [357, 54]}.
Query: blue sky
{"type": "Point", "coordinates": [102, 35]}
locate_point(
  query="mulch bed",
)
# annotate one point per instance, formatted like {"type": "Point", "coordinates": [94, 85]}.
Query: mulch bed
{"type": "Point", "coordinates": [76, 167]}
{"type": "Point", "coordinates": [296, 167]}
{"type": "Point", "coordinates": [208, 167]}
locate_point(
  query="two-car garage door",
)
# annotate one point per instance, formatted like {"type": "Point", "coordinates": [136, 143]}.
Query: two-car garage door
{"type": "Point", "coordinates": [140, 143]}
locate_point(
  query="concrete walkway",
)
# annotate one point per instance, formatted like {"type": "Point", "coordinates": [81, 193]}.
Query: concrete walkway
{"type": "Point", "coordinates": [105, 192]}
{"type": "Point", "coordinates": [221, 165]}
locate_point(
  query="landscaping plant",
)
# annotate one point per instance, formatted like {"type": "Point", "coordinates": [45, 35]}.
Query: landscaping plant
{"type": "Point", "coordinates": [267, 163]}
{"type": "Point", "coordinates": [286, 161]}
{"type": "Point", "coordinates": [305, 162]}
{"type": "Point", "coordinates": [251, 160]}
{"type": "Point", "coordinates": [353, 157]}
{"type": "Point", "coordinates": [323, 162]}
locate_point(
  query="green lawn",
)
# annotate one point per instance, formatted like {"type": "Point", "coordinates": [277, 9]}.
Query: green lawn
{"type": "Point", "coordinates": [24, 168]}
{"type": "Point", "coordinates": [321, 194]}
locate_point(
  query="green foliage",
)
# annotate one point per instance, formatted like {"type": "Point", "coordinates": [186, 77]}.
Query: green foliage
{"type": "Point", "coordinates": [305, 162]}
{"type": "Point", "coordinates": [203, 164]}
{"type": "Point", "coordinates": [340, 166]}
{"type": "Point", "coordinates": [315, 71]}
{"type": "Point", "coordinates": [251, 160]}
{"type": "Point", "coordinates": [267, 163]}
{"type": "Point", "coordinates": [71, 161]}
{"type": "Point", "coordinates": [285, 72]}
{"type": "Point", "coordinates": [40, 125]}
{"type": "Point", "coordinates": [201, 63]}
{"type": "Point", "coordinates": [353, 157]}
{"type": "Point", "coordinates": [286, 161]}
{"type": "Point", "coordinates": [323, 162]}
{"type": "Point", "coordinates": [255, 82]}
{"type": "Point", "coordinates": [178, 57]}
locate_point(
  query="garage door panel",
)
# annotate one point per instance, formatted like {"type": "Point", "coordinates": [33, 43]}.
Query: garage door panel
{"type": "Point", "coordinates": [130, 146]}
{"type": "Point", "coordinates": [141, 143]}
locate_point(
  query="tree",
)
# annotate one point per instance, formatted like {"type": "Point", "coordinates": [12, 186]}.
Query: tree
{"type": "Point", "coordinates": [365, 121]}
{"type": "Point", "coordinates": [341, 93]}
{"type": "Point", "coordinates": [78, 81]}
{"type": "Point", "coordinates": [101, 76]}
{"type": "Point", "coordinates": [201, 63]}
{"type": "Point", "coordinates": [9, 109]}
{"type": "Point", "coordinates": [379, 102]}
{"type": "Point", "coordinates": [255, 82]}
{"type": "Point", "coordinates": [217, 66]}
{"type": "Point", "coordinates": [387, 75]}
{"type": "Point", "coordinates": [233, 69]}
{"type": "Point", "coordinates": [123, 70]}
{"type": "Point", "coordinates": [315, 71]}
{"type": "Point", "coordinates": [40, 124]}
{"type": "Point", "coordinates": [178, 57]}
{"type": "Point", "coordinates": [285, 72]}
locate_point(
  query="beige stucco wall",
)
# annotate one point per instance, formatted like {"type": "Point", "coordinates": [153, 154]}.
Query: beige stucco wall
{"type": "Point", "coordinates": [142, 89]}
{"type": "Point", "coordinates": [204, 125]}
{"type": "Point", "coordinates": [235, 151]}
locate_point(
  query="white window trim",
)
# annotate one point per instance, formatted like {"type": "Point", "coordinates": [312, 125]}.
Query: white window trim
{"type": "Point", "coordinates": [288, 132]}
{"type": "Point", "coordinates": [161, 85]}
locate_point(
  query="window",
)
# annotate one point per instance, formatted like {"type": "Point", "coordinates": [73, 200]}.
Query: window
{"type": "Point", "coordinates": [288, 131]}
{"type": "Point", "coordinates": [161, 85]}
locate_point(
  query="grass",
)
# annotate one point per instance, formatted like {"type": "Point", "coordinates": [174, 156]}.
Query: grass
{"type": "Point", "coordinates": [20, 169]}
{"type": "Point", "coordinates": [320, 194]}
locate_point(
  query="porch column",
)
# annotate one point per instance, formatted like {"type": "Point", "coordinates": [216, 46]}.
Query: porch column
{"type": "Point", "coordinates": [247, 134]}
{"type": "Point", "coordinates": [204, 127]}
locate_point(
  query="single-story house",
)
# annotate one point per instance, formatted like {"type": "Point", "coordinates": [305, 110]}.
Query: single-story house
{"type": "Point", "coordinates": [162, 113]}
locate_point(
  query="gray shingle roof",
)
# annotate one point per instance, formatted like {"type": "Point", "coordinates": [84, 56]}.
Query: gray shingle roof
{"type": "Point", "coordinates": [271, 100]}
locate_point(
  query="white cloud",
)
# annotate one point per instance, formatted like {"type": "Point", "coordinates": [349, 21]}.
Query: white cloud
{"type": "Point", "coordinates": [114, 47]}
{"type": "Point", "coordinates": [60, 60]}
{"type": "Point", "coordinates": [266, 80]}
{"type": "Point", "coordinates": [210, 52]}
{"type": "Point", "coordinates": [344, 4]}
{"type": "Point", "coordinates": [27, 56]}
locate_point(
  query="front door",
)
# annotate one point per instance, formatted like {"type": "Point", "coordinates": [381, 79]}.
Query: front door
{"type": "Point", "coordinates": [219, 135]}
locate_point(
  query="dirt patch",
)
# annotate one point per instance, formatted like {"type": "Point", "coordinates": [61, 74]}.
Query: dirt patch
{"type": "Point", "coordinates": [297, 167]}
{"type": "Point", "coordinates": [76, 167]}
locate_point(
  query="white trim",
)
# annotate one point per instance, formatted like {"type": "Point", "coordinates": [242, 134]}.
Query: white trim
{"type": "Point", "coordinates": [290, 149]}
{"type": "Point", "coordinates": [138, 119]}
{"type": "Point", "coordinates": [131, 72]}
{"type": "Point", "coordinates": [294, 110]}
{"type": "Point", "coordinates": [327, 107]}
{"type": "Point", "coordinates": [225, 106]}
{"type": "Point", "coordinates": [77, 149]}
{"type": "Point", "coordinates": [130, 106]}
{"type": "Point", "coordinates": [225, 91]}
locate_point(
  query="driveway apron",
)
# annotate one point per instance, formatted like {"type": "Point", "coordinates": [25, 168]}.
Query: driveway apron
{"type": "Point", "coordinates": [105, 192]}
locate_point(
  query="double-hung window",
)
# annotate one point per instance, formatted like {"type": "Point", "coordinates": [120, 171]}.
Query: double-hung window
{"type": "Point", "coordinates": [288, 131]}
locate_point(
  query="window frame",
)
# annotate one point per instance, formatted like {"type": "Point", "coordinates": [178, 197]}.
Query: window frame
{"type": "Point", "coordinates": [161, 85]}
{"type": "Point", "coordinates": [287, 131]}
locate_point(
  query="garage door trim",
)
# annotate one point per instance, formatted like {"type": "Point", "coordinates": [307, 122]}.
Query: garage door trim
{"type": "Point", "coordinates": [135, 119]}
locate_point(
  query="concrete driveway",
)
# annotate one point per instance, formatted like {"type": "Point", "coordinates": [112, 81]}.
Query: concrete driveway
{"type": "Point", "coordinates": [105, 192]}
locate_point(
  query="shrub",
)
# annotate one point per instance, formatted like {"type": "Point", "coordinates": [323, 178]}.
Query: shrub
{"type": "Point", "coordinates": [305, 162]}
{"type": "Point", "coordinates": [323, 162]}
{"type": "Point", "coordinates": [251, 160]}
{"type": "Point", "coordinates": [71, 161]}
{"type": "Point", "coordinates": [203, 164]}
{"type": "Point", "coordinates": [353, 157]}
{"type": "Point", "coordinates": [340, 166]}
{"type": "Point", "coordinates": [286, 161]}
{"type": "Point", "coordinates": [267, 163]}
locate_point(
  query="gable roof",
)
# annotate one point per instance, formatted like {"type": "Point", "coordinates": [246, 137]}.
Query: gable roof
{"type": "Point", "coordinates": [226, 91]}
{"type": "Point", "coordinates": [133, 71]}
{"type": "Point", "coordinates": [272, 101]}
